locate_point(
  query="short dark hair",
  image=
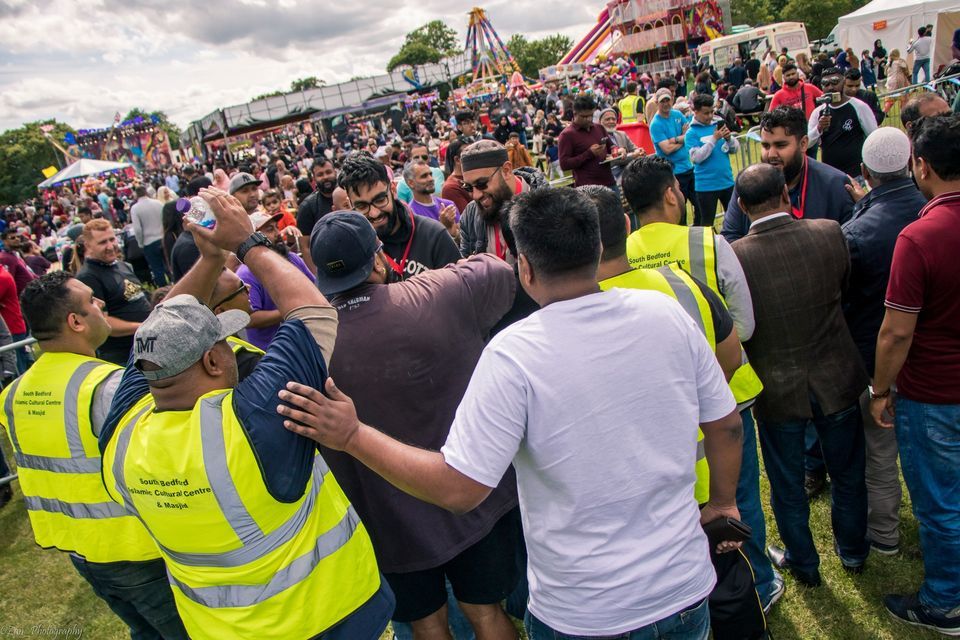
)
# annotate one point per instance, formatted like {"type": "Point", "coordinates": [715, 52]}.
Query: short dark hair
{"type": "Point", "coordinates": [464, 115]}
{"type": "Point", "coordinates": [631, 86]}
{"type": "Point", "coordinates": [613, 231]}
{"type": "Point", "coordinates": [830, 71]}
{"type": "Point", "coordinates": [140, 191]}
{"type": "Point", "coordinates": [320, 161]}
{"type": "Point", "coordinates": [853, 74]}
{"type": "Point", "coordinates": [760, 184]}
{"type": "Point", "coordinates": [45, 303]}
{"type": "Point", "coordinates": [667, 82]}
{"type": "Point", "coordinates": [360, 169]}
{"type": "Point", "coordinates": [644, 180]}
{"type": "Point", "coordinates": [200, 182]}
{"type": "Point", "coordinates": [790, 66]}
{"type": "Point", "coordinates": [788, 118]}
{"type": "Point", "coordinates": [84, 209]}
{"type": "Point", "coordinates": [584, 102]}
{"type": "Point", "coordinates": [931, 141]}
{"type": "Point", "coordinates": [556, 230]}
{"type": "Point", "coordinates": [702, 100]}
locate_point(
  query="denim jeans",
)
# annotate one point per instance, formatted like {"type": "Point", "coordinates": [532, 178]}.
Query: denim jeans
{"type": "Point", "coordinates": [138, 592]}
{"type": "Point", "coordinates": [751, 510]}
{"type": "Point", "coordinates": [919, 64]}
{"type": "Point", "coordinates": [692, 623]}
{"type": "Point", "coordinates": [153, 253]}
{"type": "Point", "coordinates": [841, 440]}
{"type": "Point", "coordinates": [929, 439]}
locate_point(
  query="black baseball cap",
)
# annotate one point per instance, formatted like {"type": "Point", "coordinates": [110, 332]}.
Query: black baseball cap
{"type": "Point", "coordinates": [343, 246]}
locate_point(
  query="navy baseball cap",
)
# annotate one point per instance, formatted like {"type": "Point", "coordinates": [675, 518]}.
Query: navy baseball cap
{"type": "Point", "coordinates": [343, 246]}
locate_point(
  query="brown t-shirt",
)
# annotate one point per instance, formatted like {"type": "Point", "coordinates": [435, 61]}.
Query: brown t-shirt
{"type": "Point", "coordinates": [405, 353]}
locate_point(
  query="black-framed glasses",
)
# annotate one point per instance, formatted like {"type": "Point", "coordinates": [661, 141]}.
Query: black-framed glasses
{"type": "Point", "coordinates": [482, 183]}
{"type": "Point", "coordinates": [379, 201]}
{"type": "Point", "coordinates": [243, 288]}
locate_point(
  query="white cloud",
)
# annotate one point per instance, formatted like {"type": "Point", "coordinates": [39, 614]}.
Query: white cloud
{"type": "Point", "coordinates": [81, 62]}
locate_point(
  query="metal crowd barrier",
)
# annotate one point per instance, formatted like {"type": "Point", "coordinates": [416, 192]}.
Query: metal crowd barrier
{"type": "Point", "coordinates": [11, 347]}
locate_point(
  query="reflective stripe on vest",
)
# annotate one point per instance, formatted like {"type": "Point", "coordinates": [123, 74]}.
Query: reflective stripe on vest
{"type": "Point", "coordinates": [698, 264]}
{"type": "Point", "coordinates": [238, 345]}
{"type": "Point", "coordinates": [685, 297]}
{"type": "Point", "coordinates": [254, 543]}
{"type": "Point", "coordinates": [75, 509]}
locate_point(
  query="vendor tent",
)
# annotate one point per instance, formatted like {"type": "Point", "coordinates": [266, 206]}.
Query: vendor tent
{"type": "Point", "coordinates": [80, 169]}
{"type": "Point", "coordinates": [895, 22]}
{"type": "Point", "coordinates": [948, 22]}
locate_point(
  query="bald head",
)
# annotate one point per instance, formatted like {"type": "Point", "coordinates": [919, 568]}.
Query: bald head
{"type": "Point", "coordinates": [341, 201]}
{"type": "Point", "coordinates": [923, 105]}
{"type": "Point", "coordinates": [762, 190]}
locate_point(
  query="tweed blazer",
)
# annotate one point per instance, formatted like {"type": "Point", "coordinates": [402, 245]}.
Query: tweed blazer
{"type": "Point", "coordinates": [801, 347]}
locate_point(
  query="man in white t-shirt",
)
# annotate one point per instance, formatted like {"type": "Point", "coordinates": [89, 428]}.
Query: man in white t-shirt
{"type": "Point", "coordinates": [921, 49]}
{"type": "Point", "coordinates": [595, 399]}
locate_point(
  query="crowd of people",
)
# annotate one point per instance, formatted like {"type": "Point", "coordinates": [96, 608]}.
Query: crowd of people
{"type": "Point", "coordinates": [546, 403]}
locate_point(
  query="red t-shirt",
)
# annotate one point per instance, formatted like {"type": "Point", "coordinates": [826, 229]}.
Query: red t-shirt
{"type": "Point", "coordinates": [790, 97]}
{"type": "Point", "coordinates": [10, 303]}
{"type": "Point", "coordinates": [923, 280]}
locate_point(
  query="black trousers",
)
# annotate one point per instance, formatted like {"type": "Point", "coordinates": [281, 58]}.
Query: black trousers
{"type": "Point", "coordinates": [688, 187]}
{"type": "Point", "coordinates": [708, 201]}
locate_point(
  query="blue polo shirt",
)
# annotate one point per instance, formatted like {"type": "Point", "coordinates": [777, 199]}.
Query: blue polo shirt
{"type": "Point", "coordinates": [665, 128]}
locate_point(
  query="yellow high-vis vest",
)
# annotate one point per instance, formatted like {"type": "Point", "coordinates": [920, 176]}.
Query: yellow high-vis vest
{"type": "Point", "coordinates": [241, 564]}
{"type": "Point", "coordinates": [631, 107]}
{"type": "Point", "coordinates": [673, 281]}
{"type": "Point", "coordinates": [47, 415]}
{"type": "Point", "coordinates": [238, 345]}
{"type": "Point", "coordinates": [695, 250]}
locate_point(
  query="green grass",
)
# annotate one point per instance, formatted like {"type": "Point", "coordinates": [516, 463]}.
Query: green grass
{"type": "Point", "coordinates": [41, 587]}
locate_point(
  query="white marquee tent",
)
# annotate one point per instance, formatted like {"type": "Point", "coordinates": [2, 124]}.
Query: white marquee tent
{"type": "Point", "coordinates": [80, 169]}
{"type": "Point", "coordinates": [895, 22]}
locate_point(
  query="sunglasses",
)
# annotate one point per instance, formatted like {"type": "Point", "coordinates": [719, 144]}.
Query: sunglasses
{"type": "Point", "coordinates": [482, 183]}
{"type": "Point", "coordinates": [243, 288]}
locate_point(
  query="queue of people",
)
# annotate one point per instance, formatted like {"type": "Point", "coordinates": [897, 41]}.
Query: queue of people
{"type": "Point", "coordinates": [395, 408]}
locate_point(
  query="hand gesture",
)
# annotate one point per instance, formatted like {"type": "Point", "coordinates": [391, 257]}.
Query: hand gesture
{"type": "Point", "coordinates": [683, 129]}
{"type": "Point", "coordinates": [599, 150]}
{"type": "Point", "coordinates": [330, 420]}
{"type": "Point", "coordinates": [718, 132]}
{"type": "Point", "coordinates": [638, 153]}
{"type": "Point", "coordinates": [291, 233]}
{"type": "Point", "coordinates": [207, 248]}
{"type": "Point", "coordinates": [880, 409]}
{"type": "Point", "coordinates": [622, 153]}
{"type": "Point", "coordinates": [233, 223]}
{"type": "Point", "coordinates": [854, 189]}
{"type": "Point", "coordinates": [711, 512]}
{"type": "Point", "coordinates": [448, 216]}
{"type": "Point", "coordinates": [823, 123]}
{"type": "Point", "coordinates": [726, 133]}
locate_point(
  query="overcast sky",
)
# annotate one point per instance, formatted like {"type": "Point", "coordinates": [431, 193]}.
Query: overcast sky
{"type": "Point", "coordinates": [81, 61]}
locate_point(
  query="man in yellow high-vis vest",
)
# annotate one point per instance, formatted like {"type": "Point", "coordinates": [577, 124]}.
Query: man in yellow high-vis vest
{"type": "Point", "coordinates": [53, 414]}
{"type": "Point", "coordinates": [631, 106]}
{"type": "Point", "coordinates": [653, 194]}
{"type": "Point", "coordinates": [259, 540]}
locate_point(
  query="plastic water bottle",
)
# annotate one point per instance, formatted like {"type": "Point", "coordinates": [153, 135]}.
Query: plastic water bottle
{"type": "Point", "coordinates": [197, 211]}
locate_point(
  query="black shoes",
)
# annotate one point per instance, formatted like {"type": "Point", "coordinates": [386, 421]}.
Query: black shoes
{"type": "Point", "coordinates": [908, 609]}
{"type": "Point", "coordinates": [814, 482]}
{"type": "Point", "coordinates": [778, 558]}
{"type": "Point", "coordinates": [6, 494]}
{"type": "Point", "coordinates": [855, 568]}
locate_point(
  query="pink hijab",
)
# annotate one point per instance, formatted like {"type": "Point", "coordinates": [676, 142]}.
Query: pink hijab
{"type": "Point", "coordinates": [220, 180]}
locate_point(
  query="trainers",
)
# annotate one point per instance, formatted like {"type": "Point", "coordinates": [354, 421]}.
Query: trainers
{"type": "Point", "coordinates": [884, 549]}
{"type": "Point", "coordinates": [908, 609]}
{"type": "Point", "coordinates": [779, 586]}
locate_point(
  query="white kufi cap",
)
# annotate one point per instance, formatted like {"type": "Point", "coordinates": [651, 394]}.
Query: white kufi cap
{"type": "Point", "coordinates": [886, 150]}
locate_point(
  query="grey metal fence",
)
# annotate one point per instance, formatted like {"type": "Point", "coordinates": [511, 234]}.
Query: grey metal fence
{"type": "Point", "coordinates": [11, 347]}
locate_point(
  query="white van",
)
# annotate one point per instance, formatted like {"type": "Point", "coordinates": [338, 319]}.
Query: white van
{"type": "Point", "coordinates": [721, 52]}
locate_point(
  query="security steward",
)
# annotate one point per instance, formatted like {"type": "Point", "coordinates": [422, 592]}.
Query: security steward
{"type": "Point", "coordinates": [735, 609]}
{"type": "Point", "coordinates": [260, 541]}
{"type": "Point", "coordinates": [53, 414]}
{"type": "Point", "coordinates": [653, 194]}
{"type": "Point", "coordinates": [631, 106]}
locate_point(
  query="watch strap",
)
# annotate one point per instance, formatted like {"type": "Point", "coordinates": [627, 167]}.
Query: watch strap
{"type": "Point", "coordinates": [256, 239]}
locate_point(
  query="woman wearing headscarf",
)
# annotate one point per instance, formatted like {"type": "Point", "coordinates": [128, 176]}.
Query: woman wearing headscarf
{"type": "Point", "coordinates": [898, 77]}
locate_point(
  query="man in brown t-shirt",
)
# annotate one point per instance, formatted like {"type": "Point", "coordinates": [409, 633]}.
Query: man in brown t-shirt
{"type": "Point", "coordinates": [405, 353]}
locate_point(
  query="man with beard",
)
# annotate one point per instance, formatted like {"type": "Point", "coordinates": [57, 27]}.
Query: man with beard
{"type": "Point", "coordinates": [320, 202]}
{"type": "Point", "coordinates": [265, 318]}
{"type": "Point", "coordinates": [425, 203]}
{"type": "Point", "coordinates": [419, 153]}
{"type": "Point", "coordinates": [585, 147]}
{"type": "Point", "coordinates": [608, 120]}
{"type": "Point", "coordinates": [816, 190]}
{"type": "Point", "coordinates": [411, 243]}
{"type": "Point", "coordinates": [795, 92]}
{"type": "Point", "coordinates": [840, 126]}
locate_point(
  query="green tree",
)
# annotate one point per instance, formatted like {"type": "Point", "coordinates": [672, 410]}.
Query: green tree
{"type": "Point", "coordinates": [172, 130]}
{"type": "Point", "coordinates": [24, 153]}
{"type": "Point", "coordinates": [302, 84]}
{"type": "Point", "coordinates": [533, 55]}
{"type": "Point", "coordinates": [820, 16]}
{"type": "Point", "coordinates": [425, 44]}
{"type": "Point", "coordinates": [752, 12]}
{"type": "Point", "coordinates": [269, 95]}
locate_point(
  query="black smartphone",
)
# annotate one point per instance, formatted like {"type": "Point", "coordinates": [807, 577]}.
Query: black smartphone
{"type": "Point", "coordinates": [727, 530]}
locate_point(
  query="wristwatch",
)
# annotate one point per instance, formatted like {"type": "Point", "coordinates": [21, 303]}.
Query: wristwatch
{"type": "Point", "coordinates": [876, 396]}
{"type": "Point", "coordinates": [256, 239]}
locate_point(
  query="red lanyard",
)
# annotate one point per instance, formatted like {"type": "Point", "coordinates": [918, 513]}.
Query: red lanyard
{"type": "Point", "coordinates": [501, 250]}
{"type": "Point", "coordinates": [406, 252]}
{"type": "Point", "coordinates": [798, 211]}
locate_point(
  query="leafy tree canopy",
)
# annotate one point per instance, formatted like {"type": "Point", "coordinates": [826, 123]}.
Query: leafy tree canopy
{"type": "Point", "coordinates": [425, 44]}
{"type": "Point", "coordinates": [24, 153]}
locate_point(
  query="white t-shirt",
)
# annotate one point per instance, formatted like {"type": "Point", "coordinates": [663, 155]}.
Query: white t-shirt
{"type": "Point", "coordinates": [596, 402]}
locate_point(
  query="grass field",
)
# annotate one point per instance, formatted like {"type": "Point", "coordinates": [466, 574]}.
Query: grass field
{"type": "Point", "coordinates": [42, 592]}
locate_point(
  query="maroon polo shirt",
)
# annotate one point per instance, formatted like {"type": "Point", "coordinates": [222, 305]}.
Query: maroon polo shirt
{"type": "Point", "coordinates": [575, 155]}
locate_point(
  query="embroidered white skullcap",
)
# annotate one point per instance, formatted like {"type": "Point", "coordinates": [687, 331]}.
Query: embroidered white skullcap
{"type": "Point", "coordinates": [886, 150]}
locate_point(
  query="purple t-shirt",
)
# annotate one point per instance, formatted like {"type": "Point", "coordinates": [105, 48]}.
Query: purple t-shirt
{"type": "Point", "coordinates": [439, 204]}
{"type": "Point", "coordinates": [260, 301]}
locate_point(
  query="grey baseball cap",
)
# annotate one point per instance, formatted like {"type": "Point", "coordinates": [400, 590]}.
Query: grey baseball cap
{"type": "Point", "coordinates": [177, 334]}
{"type": "Point", "coordinates": [241, 180]}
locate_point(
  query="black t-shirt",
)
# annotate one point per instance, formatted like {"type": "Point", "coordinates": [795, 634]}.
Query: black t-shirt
{"type": "Point", "coordinates": [120, 289]}
{"type": "Point", "coordinates": [314, 207]}
{"type": "Point", "coordinates": [184, 255]}
{"type": "Point", "coordinates": [842, 143]}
